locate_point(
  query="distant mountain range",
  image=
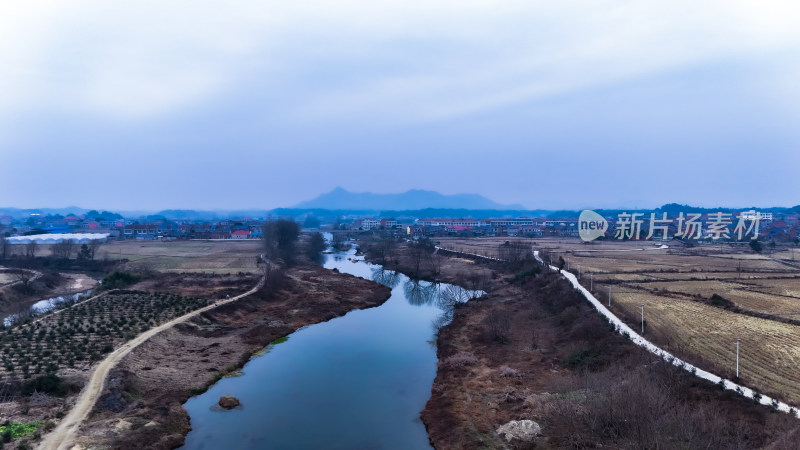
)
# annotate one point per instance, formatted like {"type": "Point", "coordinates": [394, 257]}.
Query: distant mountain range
{"type": "Point", "coordinates": [414, 203]}
{"type": "Point", "coordinates": [414, 199]}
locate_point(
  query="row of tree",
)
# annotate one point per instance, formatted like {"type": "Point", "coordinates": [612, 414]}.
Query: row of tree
{"type": "Point", "coordinates": [61, 250]}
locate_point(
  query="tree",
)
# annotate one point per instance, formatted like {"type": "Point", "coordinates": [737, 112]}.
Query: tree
{"type": "Point", "coordinates": [84, 254]}
{"type": "Point", "coordinates": [417, 252]}
{"type": "Point", "coordinates": [30, 249]}
{"type": "Point", "coordinates": [514, 253]}
{"type": "Point", "coordinates": [23, 277]}
{"type": "Point", "coordinates": [5, 248]}
{"type": "Point", "coordinates": [436, 260]}
{"type": "Point", "coordinates": [339, 241]}
{"type": "Point", "coordinates": [63, 249]}
{"type": "Point", "coordinates": [381, 247]}
{"type": "Point", "coordinates": [94, 245]}
{"type": "Point", "coordinates": [755, 246]}
{"type": "Point", "coordinates": [280, 237]}
{"type": "Point", "coordinates": [316, 245]}
{"type": "Point", "coordinates": [499, 324]}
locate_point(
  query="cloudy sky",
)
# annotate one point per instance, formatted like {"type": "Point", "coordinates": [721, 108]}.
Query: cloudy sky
{"type": "Point", "coordinates": [242, 104]}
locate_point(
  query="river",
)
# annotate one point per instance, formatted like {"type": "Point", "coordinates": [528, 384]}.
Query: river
{"type": "Point", "coordinates": [49, 304]}
{"type": "Point", "coordinates": [355, 382]}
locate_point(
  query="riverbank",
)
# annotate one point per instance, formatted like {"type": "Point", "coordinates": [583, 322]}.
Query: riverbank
{"type": "Point", "coordinates": [15, 300]}
{"type": "Point", "coordinates": [533, 349]}
{"type": "Point", "coordinates": [143, 397]}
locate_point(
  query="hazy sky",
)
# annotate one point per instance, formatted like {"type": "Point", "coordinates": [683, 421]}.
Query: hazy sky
{"type": "Point", "coordinates": [243, 104]}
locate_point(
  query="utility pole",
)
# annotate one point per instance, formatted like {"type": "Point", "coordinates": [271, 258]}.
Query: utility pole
{"type": "Point", "coordinates": [737, 359]}
{"type": "Point", "coordinates": [609, 296]}
{"type": "Point", "coordinates": [642, 319]}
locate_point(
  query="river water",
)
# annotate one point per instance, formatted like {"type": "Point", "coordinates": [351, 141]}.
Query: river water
{"type": "Point", "coordinates": [355, 382]}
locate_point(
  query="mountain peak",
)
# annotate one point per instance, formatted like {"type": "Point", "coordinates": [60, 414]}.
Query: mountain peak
{"type": "Point", "coordinates": [340, 198]}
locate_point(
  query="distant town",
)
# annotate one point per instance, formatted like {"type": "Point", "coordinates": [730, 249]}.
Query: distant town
{"type": "Point", "coordinates": [782, 225]}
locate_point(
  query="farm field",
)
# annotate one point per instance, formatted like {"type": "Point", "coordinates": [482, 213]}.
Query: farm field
{"type": "Point", "coordinates": [221, 257]}
{"type": "Point", "coordinates": [770, 351]}
{"type": "Point", "coordinates": [675, 284]}
{"type": "Point", "coordinates": [76, 337]}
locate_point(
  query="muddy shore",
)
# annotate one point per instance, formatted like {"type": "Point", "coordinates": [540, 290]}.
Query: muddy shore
{"type": "Point", "coordinates": [141, 406]}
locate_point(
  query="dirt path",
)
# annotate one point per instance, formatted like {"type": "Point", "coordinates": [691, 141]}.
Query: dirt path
{"type": "Point", "coordinates": [62, 436]}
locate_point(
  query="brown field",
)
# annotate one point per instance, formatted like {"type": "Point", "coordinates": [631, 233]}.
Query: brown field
{"type": "Point", "coordinates": [674, 285]}
{"type": "Point", "coordinates": [222, 257]}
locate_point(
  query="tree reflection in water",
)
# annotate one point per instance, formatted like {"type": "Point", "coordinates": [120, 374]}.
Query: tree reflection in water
{"type": "Point", "coordinates": [420, 293]}
{"type": "Point", "coordinates": [450, 296]}
{"type": "Point", "coordinates": [388, 278]}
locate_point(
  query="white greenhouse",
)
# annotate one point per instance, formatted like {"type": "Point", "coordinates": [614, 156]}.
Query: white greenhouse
{"type": "Point", "coordinates": [78, 238]}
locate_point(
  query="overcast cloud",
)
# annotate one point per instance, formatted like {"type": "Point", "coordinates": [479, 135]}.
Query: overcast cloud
{"type": "Point", "coordinates": [211, 104]}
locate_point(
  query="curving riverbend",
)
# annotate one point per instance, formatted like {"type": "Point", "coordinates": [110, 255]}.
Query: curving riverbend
{"type": "Point", "coordinates": [357, 381]}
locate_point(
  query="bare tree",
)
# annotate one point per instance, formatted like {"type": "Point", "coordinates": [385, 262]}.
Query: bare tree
{"type": "Point", "coordinates": [514, 252]}
{"type": "Point", "coordinates": [499, 323]}
{"type": "Point", "coordinates": [274, 274]}
{"type": "Point", "coordinates": [30, 249]}
{"type": "Point", "coordinates": [476, 281]}
{"type": "Point", "coordinates": [280, 238]}
{"type": "Point", "coordinates": [23, 277]}
{"type": "Point", "coordinates": [5, 247]}
{"type": "Point", "coordinates": [387, 246]}
{"type": "Point", "coordinates": [416, 252]}
{"type": "Point", "coordinates": [339, 240]}
{"type": "Point", "coordinates": [63, 249]}
{"type": "Point", "coordinates": [94, 245]}
{"type": "Point", "coordinates": [436, 260]}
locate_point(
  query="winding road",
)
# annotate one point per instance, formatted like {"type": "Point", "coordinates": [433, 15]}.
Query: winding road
{"type": "Point", "coordinates": [61, 437]}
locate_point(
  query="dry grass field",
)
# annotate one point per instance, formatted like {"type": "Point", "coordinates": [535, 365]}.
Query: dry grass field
{"type": "Point", "coordinates": [675, 284]}
{"type": "Point", "coordinates": [222, 257]}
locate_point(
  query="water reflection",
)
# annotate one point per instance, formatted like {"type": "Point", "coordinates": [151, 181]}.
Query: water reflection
{"type": "Point", "coordinates": [448, 297]}
{"type": "Point", "coordinates": [388, 278]}
{"type": "Point", "coordinates": [452, 294]}
{"type": "Point", "coordinates": [420, 293]}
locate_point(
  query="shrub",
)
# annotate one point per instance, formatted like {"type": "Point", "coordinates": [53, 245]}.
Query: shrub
{"type": "Point", "coordinates": [119, 279]}
{"type": "Point", "coordinates": [459, 361]}
{"type": "Point", "coordinates": [50, 384]}
{"type": "Point", "coordinates": [499, 323]}
{"type": "Point", "coordinates": [585, 358]}
{"type": "Point", "coordinates": [508, 372]}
